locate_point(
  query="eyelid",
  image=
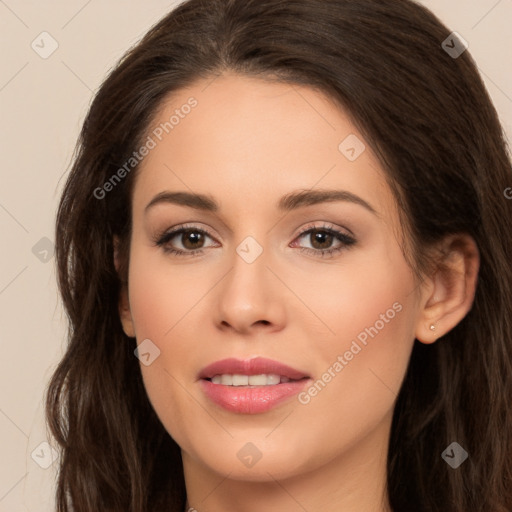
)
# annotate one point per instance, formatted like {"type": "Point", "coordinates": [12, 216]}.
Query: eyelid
{"type": "Point", "coordinates": [176, 230]}
{"type": "Point", "coordinates": [346, 240]}
{"type": "Point", "coordinates": [327, 226]}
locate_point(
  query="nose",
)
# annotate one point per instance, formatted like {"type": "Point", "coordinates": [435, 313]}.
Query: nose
{"type": "Point", "coordinates": [251, 298]}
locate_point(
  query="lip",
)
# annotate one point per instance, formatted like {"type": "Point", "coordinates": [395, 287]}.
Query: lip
{"type": "Point", "coordinates": [254, 399]}
{"type": "Point", "coordinates": [255, 366]}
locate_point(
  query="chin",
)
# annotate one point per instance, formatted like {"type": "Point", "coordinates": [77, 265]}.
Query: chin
{"type": "Point", "coordinates": [256, 461]}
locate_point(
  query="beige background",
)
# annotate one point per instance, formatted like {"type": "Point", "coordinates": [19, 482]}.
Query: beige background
{"type": "Point", "coordinates": [43, 102]}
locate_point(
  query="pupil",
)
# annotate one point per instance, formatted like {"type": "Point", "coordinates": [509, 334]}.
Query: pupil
{"type": "Point", "coordinates": [318, 238]}
{"type": "Point", "coordinates": [191, 235]}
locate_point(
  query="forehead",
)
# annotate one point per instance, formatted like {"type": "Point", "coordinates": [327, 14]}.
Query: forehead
{"type": "Point", "coordinates": [251, 141]}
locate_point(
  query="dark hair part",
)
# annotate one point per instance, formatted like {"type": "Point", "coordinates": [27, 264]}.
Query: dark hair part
{"type": "Point", "coordinates": [428, 118]}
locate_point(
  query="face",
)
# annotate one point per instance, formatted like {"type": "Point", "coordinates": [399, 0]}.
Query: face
{"type": "Point", "coordinates": [310, 296]}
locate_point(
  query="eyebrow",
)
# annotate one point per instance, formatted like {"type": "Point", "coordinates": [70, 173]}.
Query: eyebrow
{"type": "Point", "coordinates": [289, 202]}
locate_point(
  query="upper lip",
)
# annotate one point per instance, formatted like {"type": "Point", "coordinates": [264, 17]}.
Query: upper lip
{"type": "Point", "coordinates": [255, 366]}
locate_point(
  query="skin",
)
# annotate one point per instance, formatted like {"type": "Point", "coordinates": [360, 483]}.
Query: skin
{"type": "Point", "coordinates": [248, 143]}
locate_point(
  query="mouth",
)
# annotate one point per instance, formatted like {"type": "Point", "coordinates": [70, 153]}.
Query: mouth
{"type": "Point", "coordinates": [251, 381]}
{"type": "Point", "coordinates": [256, 367]}
{"type": "Point", "coordinates": [251, 386]}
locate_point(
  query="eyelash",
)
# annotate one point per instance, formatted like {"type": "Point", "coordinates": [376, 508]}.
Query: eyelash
{"type": "Point", "coordinates": [346, 240]}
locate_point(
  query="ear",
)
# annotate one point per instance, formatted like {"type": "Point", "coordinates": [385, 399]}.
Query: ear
{"type": "Point", "coordinates": [124, 303]}
{"type": "Point", "coordinates": [448, 294]}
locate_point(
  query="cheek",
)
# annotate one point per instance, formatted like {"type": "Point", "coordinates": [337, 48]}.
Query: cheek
{"type": "Point", "coordinates": [162, 300]}
{"type": "Point", "coordinates": [368, 313]}
{"type": "Point", "coordinates": [365, 300]}
{"type": "Point", "coordinates": [360, 368]}
{"type": "Point", "coordinates": [160, 294]}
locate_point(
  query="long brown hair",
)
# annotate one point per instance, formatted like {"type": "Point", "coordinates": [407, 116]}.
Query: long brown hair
{"type": "Point", "coordinates": [430, 121]}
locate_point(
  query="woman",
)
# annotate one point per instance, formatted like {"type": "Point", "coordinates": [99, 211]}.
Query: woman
{"type": "Point", "coordinates": [284, 249]}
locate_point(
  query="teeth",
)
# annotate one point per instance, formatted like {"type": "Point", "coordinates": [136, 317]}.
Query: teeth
{"type": "Point", "coordinates": [227, 380]}
{"type": "Point", "coordinates": [240, 380]}
{"type": "Point", "coordinates": [264, 380]}
{"type": "Point", "coordinates": [249, 380]}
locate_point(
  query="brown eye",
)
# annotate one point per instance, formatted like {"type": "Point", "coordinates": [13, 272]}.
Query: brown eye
{"type": "Point", "coordinates": [189, 240]}
{"type": "Point", "coordinates": [322, 238]}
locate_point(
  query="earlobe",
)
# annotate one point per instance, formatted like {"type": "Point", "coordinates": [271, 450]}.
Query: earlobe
{"type": "Point", "coordinates": [124, 303]}
{"type": "Point", "coordinates": [125, 313]}
{"type": "Point", "coordinates": [451, 290]}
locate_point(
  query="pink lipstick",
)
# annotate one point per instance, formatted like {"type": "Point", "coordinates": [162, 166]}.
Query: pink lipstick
{"type": "Point", "coordinates": [250, 386]}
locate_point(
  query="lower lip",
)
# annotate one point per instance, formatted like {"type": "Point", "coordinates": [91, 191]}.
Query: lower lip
{"type": "Point", "coordinates": [245, 400]}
